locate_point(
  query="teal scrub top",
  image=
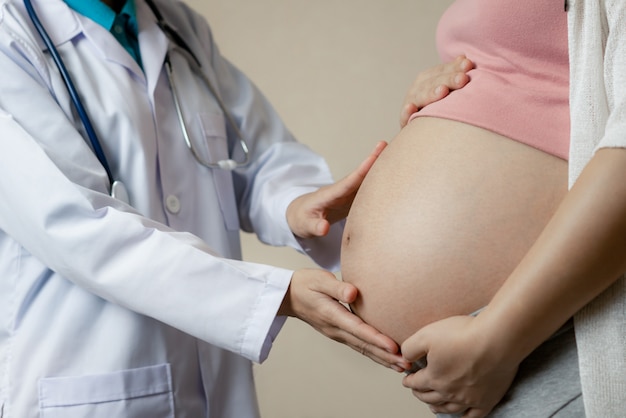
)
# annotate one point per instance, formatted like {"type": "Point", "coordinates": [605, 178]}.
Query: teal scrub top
{"type": "Point", "coordinates": [122, 25]}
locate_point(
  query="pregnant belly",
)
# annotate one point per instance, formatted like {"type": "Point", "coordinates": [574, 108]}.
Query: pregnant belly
{"type": "Point", "coordinates": [443, 217]}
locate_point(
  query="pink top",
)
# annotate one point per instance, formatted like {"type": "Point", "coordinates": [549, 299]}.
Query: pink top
{"type": "Point", "coordinates": [519, 86]}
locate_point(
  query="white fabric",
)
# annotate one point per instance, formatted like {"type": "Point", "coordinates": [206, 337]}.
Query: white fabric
{"type": "Point", "coordinates": [597, 47]}
{"type": "Point", "coordinates": [94, 292]}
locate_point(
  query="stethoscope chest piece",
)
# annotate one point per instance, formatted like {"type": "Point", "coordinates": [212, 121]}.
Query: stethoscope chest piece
{"type": "Point", "coordinates": [119, 192]}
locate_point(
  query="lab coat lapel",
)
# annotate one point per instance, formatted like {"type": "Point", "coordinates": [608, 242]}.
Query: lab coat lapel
{"type": "Point", "coordinates": [63, 24]}
{"type": "Point", "coordinates": [108, 46]}
{"type": "Point", "coordinates": [153, 45]}
{"type": "Point", "coordinates": [56, 17]}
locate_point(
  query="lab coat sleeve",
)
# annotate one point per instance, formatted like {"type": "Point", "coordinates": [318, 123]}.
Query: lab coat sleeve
{"type": "Point", "coordinates": [54, 203]}
{"type": "Point", "coordinates": [281, 170]}
{"type": "Point", "coordinates": [130, 260]}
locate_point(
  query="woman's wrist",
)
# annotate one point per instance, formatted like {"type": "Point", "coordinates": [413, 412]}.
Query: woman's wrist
{"type": "Point", "coordinates": [500, 336]}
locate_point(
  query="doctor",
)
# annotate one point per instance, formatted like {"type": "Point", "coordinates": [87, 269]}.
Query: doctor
{"type": "Point", "coordinates": [136, 305]}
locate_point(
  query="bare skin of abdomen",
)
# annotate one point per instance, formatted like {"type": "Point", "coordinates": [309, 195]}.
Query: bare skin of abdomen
{"type": "Point", "coordinates": [443, 217]}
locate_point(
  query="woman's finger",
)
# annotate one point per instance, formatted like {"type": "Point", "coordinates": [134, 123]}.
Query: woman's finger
{"type": "Point", "coordinates": [448, 408]}
{"type": "Point", "coordinates": [434, 84]}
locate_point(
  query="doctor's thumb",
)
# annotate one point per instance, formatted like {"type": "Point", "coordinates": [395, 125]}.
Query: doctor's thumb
{"type": "Point", "coordinates": [348, 293]}
{"type": "Point", "coordinates": [326, 283]}
{"type": "Point", "coordinates": [322, 227]}
{"type": "Point", "coordinates": [341, 291]}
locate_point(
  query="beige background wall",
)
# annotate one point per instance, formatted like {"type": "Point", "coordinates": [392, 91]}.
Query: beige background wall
{"type": "Point", "coordinates": [336, 71]}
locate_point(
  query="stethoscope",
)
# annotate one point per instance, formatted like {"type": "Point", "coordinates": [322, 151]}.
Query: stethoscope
{"type": "Point", "coordinates": [118, 190]}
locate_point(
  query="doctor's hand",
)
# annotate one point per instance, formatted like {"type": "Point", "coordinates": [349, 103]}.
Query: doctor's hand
{"type": "Point", "coordinates": [434, 84]}
{"type": "Point", "coordinates": [465, 372]}
{"type": "Point", "coordinates": [311, 214]}
{"type": "Point", "coordinates": [314, 296]}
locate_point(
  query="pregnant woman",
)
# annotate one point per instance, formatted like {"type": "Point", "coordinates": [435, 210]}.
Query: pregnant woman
{"type": "Point", "coordinates": [460, 195]}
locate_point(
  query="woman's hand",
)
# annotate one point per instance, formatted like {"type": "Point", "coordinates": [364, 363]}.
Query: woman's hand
{"type": "Point", "coordinates": [311, 214]}
{"type": "Point", "coordinates": [579, 254]}
{"type": "Point", "coordinates": [316, 297]}
{"type": "Point", "coordinates": [465, 372]}
{"type": "Point", "coordinates": [434, 84]}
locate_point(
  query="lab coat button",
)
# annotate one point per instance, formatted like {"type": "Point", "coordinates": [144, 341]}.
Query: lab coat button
{"type": "Point", "coordinates": [173, 204]}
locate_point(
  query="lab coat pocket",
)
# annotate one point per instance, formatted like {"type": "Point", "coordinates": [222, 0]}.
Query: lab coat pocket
{"type": "Point", "coordinates": [214, 148]}
{"type": "Point", "coordinates": [136, 393]}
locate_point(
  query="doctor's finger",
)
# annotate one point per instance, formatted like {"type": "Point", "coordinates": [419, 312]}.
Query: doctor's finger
{"type": "Point", "coordinates": [365, 166]}
{"type": "Point", "coordinates": [355, 178]}
{"type": "Point", "coordinates": [376, 354]}
{"type": "Point", "coordinates": [346, 327]}
{"type": "Point", "coordinates": [333, 202]}
{"type": "Point", "coordinates": [366, 338]}
{"type": "Point", "coordinates": [351, 330]}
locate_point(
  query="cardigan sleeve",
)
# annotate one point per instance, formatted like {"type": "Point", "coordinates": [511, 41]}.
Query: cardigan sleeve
{"type": "Point", "coordinates": [597, 53]}
{"type": "Point", "coordinates": [615, 75]}
{"type": "Point", "coordinates": [597, 46]}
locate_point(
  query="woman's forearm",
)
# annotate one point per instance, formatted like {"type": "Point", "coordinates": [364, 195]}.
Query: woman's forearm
{"type": "Point", "coordinates": [581, 252]}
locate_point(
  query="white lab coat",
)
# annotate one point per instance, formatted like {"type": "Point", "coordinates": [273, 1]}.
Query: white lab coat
{"type": "Point", "coordinates": [108, 310]}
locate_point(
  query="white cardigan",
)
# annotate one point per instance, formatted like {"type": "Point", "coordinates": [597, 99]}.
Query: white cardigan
{"type": "Point", "coordinates": [597, 48]}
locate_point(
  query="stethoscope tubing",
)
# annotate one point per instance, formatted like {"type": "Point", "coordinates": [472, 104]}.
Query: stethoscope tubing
{"type": "Point", "coordinates": [172, 34]}
{"type": "Point", "coordinates": [73, 92]}
{"type": "Point", "coordinates": [227, 164]}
